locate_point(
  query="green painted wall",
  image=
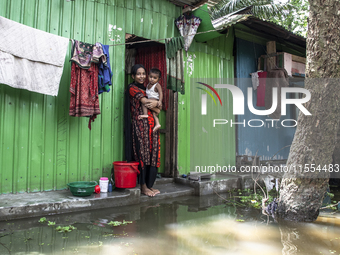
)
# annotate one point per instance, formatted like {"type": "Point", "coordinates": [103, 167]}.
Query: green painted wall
{"type": "Point", "coordinates": [200, 144]}
{"type": "Point", "coordinates": [41, 146]}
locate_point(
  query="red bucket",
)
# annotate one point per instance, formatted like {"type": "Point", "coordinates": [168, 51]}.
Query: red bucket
{"type": "Point", "coordinates": [125, 174]}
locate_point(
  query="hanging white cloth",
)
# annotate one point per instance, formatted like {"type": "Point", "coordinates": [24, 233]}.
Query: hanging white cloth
{"type": "Point", "coordinates": [30, 58]}
{"type": "Point", "coordinates": [255, 80]}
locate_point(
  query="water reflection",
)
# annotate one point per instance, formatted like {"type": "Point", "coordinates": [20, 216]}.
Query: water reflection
{"type": "Point", "coordinates": [187, 225]}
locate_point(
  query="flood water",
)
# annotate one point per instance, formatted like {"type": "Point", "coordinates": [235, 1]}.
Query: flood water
{"type": "Point", "coordinates": [185, 225]}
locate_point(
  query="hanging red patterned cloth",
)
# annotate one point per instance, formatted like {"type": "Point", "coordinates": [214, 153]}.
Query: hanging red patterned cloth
{"type": "Point", "coordinates": [261, 89]}
{"type": "Point", "coordinates": [84, 100]}
{"type": "Point", "coordinates": [155, 57]}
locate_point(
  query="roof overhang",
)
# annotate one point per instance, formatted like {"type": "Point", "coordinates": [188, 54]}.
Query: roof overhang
{"type": "Point", "coordinates": [251, 24]}
{"type": "Point", "coordinates": [273, 30]}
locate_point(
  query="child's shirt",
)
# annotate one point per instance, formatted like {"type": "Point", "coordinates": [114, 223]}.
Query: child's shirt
{"type": "Point", "coordinates": [151, 93]}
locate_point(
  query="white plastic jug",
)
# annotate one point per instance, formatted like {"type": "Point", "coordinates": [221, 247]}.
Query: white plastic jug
{"type": "Point", "coordinates": [103, 183]}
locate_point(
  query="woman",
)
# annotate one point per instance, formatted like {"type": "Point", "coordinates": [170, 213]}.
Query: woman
{"type": "Point", "coordinates": [139, 132]}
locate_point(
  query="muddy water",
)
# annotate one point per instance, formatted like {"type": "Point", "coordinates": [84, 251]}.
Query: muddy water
{"type": "Point", "coordinates": [187, 225]}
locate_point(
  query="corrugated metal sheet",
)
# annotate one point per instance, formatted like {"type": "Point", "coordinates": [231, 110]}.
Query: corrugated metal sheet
{"type": "Point", "coordinates": [205, 25]}
{"type": "Point", "coordinates": [42, 147]}
{"type": "Point", "coordinates": [199, 141]}
{"type": "Point", "coordinates": [266, 141]}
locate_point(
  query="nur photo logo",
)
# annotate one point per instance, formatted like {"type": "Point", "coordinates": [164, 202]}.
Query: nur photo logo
{"type": "Point", "coordinates": [279, 99]}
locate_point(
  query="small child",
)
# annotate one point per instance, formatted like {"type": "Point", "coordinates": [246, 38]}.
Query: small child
{"type": "Point", "coordinates": [153, 92]}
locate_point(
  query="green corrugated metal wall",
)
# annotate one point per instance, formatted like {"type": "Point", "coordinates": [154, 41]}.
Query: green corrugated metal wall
{"type": "Point", "coordinates": [42, 148]}
{"type": "Point", "coordinates": [214, 145]}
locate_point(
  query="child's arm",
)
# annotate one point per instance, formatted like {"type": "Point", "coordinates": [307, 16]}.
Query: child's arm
{"type": "Point", "coordinates": [150, 104]}
{"type": "Point", "coordinates": [160, 92]}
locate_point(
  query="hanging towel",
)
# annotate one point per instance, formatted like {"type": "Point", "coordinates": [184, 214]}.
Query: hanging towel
{"type": "Point", "coordinates": [172, 45]}
{"type": "Point", "coordinates": [105, 73]}
{"type": "Point", "coordinates": [255, 80]}
{"type": "Point", "coordinates": [175, 69]}
{"type": "Point", "coordinates": [261, 89]}
{"type": "Point", "coordinates": [276, 78]}
{"type": "Point", "coordinates": [30, 58]}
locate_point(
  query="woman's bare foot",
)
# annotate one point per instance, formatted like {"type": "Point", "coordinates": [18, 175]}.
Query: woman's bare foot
{"type": "Point", "coordinates": [146, 191]}
{"type": "Point", "coordinates": [142, 117]}
{"type": "Point", "coordinates": [155, 191]}
{"type": "Point", "coordinates": [156, 128]}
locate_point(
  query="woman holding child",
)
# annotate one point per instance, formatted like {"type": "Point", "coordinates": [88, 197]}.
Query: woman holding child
{"type": "Point", "coordinates": [144, 139]}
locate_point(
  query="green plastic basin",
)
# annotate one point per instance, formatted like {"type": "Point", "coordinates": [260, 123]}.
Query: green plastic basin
{"type": "Point", "coordinates": [81, 189]}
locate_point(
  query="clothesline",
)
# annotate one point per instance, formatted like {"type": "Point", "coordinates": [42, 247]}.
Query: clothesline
{"type": "Point", "coordinates": [151, 40]}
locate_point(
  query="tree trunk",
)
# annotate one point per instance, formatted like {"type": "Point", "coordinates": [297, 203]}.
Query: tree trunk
{"type": "Point", "coordinates": [302, 192]}
{"type": "Point", "coordinates": [336, 160]}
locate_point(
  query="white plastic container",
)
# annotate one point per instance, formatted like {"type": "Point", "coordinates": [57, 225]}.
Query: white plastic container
{"type": "Point", "coordinates": [104, 184]}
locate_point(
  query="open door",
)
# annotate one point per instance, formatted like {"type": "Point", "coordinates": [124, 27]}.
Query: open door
{"type": "Point", "coordinates": [152, 54]}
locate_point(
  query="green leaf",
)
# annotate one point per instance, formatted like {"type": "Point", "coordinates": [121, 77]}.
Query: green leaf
{"type": "Point", "coordinates": [42, 220]}
{"type": "Point", "coordinates": [51, 223]}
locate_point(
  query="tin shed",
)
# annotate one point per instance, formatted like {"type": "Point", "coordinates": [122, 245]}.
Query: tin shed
{"type": "Point", "coordinates": [271, 141]}
{"type": "Point", "coordinates": [43, 148]}
{"type": "Point", "coordinates": [251, 35]}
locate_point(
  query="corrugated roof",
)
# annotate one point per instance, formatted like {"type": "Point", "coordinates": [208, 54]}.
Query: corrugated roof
{"type": "Point", "coordinates": [232, 18]}
{"type": "Point", "coordinates": [271, 28]}
{"type": "Point", "coordinates": [195, 3]}
{"type": "Point", "coordinates": [244, 16]}
{"type": "Point", "coordinates": [192, 3]}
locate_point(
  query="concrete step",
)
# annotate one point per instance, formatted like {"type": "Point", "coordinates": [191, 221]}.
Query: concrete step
{"type": "Point", "coordinates": [163, 180]}
{"type": "Point", "coordinates": [219, 183]}
{"type": "Point", "coordinates": [169, 190]}
{"type": "Point", "coordinates": [16, 206]}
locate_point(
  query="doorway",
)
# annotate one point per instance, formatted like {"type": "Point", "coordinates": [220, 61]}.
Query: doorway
{"type": "Point", "coordinates": [152, 54]}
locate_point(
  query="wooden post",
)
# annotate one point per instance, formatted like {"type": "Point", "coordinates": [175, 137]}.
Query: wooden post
{"type": "Point", "coordinates": [271, 51]}
{"type": "Point", "coordinates": [175, 136]}
{"type": "Point", "coordinates": [168, 127]}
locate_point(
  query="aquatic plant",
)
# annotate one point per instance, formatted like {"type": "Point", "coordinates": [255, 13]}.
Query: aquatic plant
{"type": "Point", "coordinates": [42, 220]}
{"type": "Point", "coordinates": [119, 223]}
{"type": "Point", "coordinates": [51, 223]}
{"type": "Point", "coordinates": [65, 229]}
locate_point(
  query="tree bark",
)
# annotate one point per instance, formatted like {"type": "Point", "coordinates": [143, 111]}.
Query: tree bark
{"type": "Point", "coordinates": [302, 191]}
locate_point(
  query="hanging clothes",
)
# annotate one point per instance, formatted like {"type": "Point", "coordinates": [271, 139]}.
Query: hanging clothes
{"type": "Point", "coordinates": [255, 80]}
{"type": "Point", "coordinates": [261, 89]}
{"type": "Point", "coordinates": [83, 54]}
{"type": "Point", "coordinates": [31, 59]}
{"type": "Point", "coordinates": [172, 45]}
{"type": "Point", "coordinates": [105, 73]}
{"type": "Point", "coordinates": [187, 26]}
{"type": "Point", "coordinates": [155, 57]}
{"type": "Point", "coordinates": [276, 78]}
{"type": "Point", "coordinates": [84, 100]}
{"type": "Point", "coordinates": [174, 62]}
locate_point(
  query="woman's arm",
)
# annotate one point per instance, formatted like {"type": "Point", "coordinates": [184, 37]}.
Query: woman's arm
{"type": "Point", "coordinates": [140, 95]}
